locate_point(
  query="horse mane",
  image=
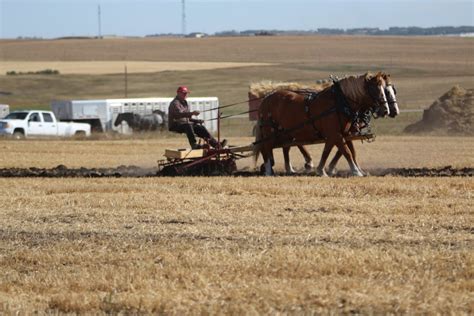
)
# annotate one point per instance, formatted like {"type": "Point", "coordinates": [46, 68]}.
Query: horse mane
{"type": "Point", "coordinates": [354, 87]}
{"type": "Point", "coordinates": [387, 78]}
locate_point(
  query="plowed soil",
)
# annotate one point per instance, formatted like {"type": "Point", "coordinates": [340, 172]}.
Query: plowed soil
{"type": "Point", "coordinates": [62, 171]}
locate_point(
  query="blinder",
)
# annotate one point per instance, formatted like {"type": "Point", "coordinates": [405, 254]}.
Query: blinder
{"type": "Point", "coordinates": [378, 100]}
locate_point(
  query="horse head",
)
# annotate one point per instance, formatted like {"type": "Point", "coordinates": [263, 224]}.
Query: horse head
{"type": "Point", "coordinates": [375, 85]}
{"type": "Point", "coordinates": [391, 94]}
{"type": "Point", "coordinates": [127, 117]}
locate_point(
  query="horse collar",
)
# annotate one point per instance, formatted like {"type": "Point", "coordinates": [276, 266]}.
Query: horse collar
{"type": "Point", "coordinates": [342, 105]}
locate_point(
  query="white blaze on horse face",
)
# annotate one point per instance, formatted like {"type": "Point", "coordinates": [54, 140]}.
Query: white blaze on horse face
{"type": "Point", "coordinates": [383, 109]}
{"type": "Point", "coordinates": [392, 101]}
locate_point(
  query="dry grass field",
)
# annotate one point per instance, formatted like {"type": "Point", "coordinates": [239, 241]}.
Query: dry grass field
{"type": "Point", "coordinates": [144, 151]}
{"type": "Point", "coordinates": [236, 245]}
{"type": "Point", "coordinates": [241, 246]}
{"type": "Point", "coordinates": [116, 67]}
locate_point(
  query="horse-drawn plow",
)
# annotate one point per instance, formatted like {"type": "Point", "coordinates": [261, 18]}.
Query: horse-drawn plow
{"type": "Point", "coordinates": [210, 161]}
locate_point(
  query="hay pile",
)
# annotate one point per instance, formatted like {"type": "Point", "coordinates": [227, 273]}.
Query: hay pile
{"type": "Point", "coordinates": [452, 113]}
{"type": "Point", "coordinates": [260, 89]}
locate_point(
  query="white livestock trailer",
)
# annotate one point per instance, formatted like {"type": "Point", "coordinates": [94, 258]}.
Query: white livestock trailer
{"type": "Point", "coordinates": [101, 114]}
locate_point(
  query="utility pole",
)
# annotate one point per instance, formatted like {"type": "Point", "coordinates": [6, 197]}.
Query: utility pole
{"type": "Point", "coordinates": [183, 17]}
{"type": "Point", "coordinates": [126, 81]}
{"type": "Point", "coordinates": [100, 22]}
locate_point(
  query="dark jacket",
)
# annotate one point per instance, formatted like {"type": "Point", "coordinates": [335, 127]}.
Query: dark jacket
{"type": "Point", "coordinates": [178, 113]}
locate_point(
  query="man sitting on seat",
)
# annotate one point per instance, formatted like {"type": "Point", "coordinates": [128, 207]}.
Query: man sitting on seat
{"type": "Point", "coordinates": [181, 120]}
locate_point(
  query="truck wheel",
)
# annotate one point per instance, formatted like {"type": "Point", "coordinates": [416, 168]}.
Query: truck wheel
{"type": "Point", "coordinates": [80, 134]}
{"type": "Point", "coordinates": [18, 135]}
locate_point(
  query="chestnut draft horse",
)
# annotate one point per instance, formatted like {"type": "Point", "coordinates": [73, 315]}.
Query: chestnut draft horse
{"type": "Point", "coordinates": [390, 93]}
{"type": "Point", "coordinates": [285, 117]}
{"type": "Point", "coordinates": [394, 110]}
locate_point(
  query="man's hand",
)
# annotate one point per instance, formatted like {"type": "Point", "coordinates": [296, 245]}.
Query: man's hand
{"type": "Point", "coordinates": [195, 113]}
{"type": "Point", "coordinates": [197, 121]}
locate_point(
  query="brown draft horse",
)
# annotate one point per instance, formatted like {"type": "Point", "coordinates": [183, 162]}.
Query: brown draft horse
{"type": "Point", "coordinates": [285, 117]}
{"type": "Point", "coordinates": [394, 110]}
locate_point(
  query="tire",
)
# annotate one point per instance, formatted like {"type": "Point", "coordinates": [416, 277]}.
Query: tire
{"type": "Point", "coordinates": [18, 135]}
{"type": "Point", "coordinates": [80, 135]}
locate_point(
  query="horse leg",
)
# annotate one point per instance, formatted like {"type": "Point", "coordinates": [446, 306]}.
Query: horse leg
{"type": "Point", "coordinates": [350, 144]}
{"type": "Point", "coordinates": [308, 166]}
{"type": "Point", "coordinates": [344, 149]}
{"type": "Point", "coordinates": [324, 157]}
{"type": "Point", "coordinates": [286, 155]}
{"type": "Point", "coordinates": [268, 160]}
{"type": "Point", "coordinates": [332, 171]}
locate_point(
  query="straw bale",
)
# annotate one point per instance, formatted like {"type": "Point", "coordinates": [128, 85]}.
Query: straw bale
{"type": "Point", "coordinates": [262, 88]}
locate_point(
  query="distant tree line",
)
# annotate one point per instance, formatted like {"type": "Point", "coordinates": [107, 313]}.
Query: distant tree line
{"type": "Point", "coordinates": [411, 30]}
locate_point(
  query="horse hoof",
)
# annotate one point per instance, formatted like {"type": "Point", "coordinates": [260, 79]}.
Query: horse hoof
{"type": "Point", "coordinates": [264, 171]}
{"type": "Point", "coordinates": [332, 172]}
{"type": "Point", "coordinates": [321, 173]}
{"type": "Point", "coordinates": [289, 170]}
{"type": "Point", "coordinates": [308, 166]}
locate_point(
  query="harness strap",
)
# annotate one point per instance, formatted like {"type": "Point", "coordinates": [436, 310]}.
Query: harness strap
{"type": "Point", "coordinates": [311, 120]}
{"type": "Point", "coordinates": [308, 98]}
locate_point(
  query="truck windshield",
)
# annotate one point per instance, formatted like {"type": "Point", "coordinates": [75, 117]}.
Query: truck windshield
{"type": "Point", "coordinates": [16, 116]}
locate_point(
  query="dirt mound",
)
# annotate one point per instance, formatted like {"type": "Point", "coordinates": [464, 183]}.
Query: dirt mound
{"type": "Point", "coordinates": [452, 113]}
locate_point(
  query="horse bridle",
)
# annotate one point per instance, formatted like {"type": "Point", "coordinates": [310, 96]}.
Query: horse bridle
{"type": "Point", "coordinates": [378, 100]}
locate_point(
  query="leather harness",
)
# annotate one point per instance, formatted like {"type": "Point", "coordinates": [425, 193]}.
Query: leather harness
{"type": "Point", "coordinates": [342, 107]}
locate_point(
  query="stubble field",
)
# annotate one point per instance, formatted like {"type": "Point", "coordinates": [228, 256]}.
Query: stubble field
{"type": "Point", "coordinates": [237, 245]}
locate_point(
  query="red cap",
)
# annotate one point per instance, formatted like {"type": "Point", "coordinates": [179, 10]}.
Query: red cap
{"type": "Point", "coordinates": [183, 89]}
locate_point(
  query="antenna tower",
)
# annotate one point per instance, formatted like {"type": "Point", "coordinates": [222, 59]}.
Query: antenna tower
{"type": "Point", "coordinates": [183, 17]}
{"type": "Point", "coordinates": [100, 22]}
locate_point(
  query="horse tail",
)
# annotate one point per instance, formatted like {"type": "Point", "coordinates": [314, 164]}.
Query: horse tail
{"type": "Point", "coordinates": [257, 145]}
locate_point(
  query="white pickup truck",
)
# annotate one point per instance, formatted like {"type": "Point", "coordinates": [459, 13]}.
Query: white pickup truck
{"type": "Point", "coordinates": [35, 123]}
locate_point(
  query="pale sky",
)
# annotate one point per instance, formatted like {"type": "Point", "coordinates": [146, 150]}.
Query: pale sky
{"type": "Point", "coordinates": [57, 18]}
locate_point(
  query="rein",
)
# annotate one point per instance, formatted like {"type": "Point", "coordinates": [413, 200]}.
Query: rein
{"type": "Point", "coordinates": [232, 104]}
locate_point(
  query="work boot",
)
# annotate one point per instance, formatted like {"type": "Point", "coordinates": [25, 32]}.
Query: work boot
{"type": "Point", "coordinates": [214, 143]}
{"type": "Point", "coordinates": [223, 143]}
{"type": "Point", "coordinates": [196, 146]}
